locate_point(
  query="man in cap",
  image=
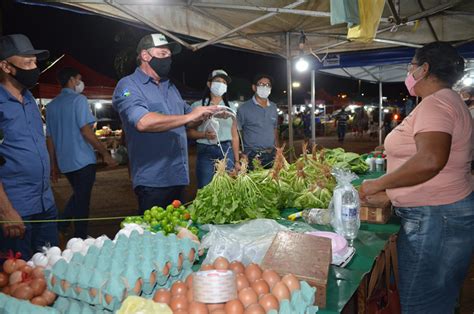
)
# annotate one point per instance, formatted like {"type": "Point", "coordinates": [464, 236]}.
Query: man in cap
{"type": "Point", "coordinates": [71, 142]}
{"type": "Point", "coordinates": [25, 190]}
{"type": "Point", "coordinates": [258, 120]}
{"type": "Point", "coordinates": [154, 118]}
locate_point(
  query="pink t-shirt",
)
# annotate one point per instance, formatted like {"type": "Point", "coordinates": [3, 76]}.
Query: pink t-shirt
{"type": "Point", "coordinates": [443, 111]}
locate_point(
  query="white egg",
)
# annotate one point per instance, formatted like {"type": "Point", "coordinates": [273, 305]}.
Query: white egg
{"type": "Point", "coordinates": [39, 259]}
{"type": "Point", "coordinates": [89, 241]}
{"type": "Point", "coordinates": [73, 242]}
{"type": "Point", "coordinates": [99, 242]}
{"type": "Point", "coordinates": [77, 246]}
{"type": "Point", "coordinates": [84, 250]}
{"type": "Point", "coordinates": [53, 259]}
{"type": "Point", "coordinates": [67, 255]}
{"type": "Point", "coordinates": [53, 251]}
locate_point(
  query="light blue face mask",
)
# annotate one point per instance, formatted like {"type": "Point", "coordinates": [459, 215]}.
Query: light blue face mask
{"type": "Point", "coordinates": [218, 88]}
{"type": "Point", "coordinates": [263, 91]}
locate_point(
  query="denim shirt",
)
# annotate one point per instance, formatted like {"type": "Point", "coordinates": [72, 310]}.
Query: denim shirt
{"type": "Point", "coordinates": [157, 159]}
{"type": "Point", "coordinates": [26, 173]}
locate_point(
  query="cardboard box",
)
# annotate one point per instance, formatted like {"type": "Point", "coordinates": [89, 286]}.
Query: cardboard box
{"type": "Point", "coordinates": [305, 256]}
{"type": "Point", "coordinates": [377, 209]}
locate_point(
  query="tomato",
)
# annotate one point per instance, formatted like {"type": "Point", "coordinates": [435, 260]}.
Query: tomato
{"type": "Point", "coordinates": [186, 216]}
{"type": "Point", "coordinates": [176, 203]}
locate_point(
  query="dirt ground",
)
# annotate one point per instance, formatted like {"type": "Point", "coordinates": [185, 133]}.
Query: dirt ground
{"type": "Point", "coordinates": [112, 196]}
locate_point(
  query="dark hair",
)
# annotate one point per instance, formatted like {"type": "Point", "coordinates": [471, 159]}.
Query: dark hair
{"type": "Point", "coordinates": [65, 74]}
{"type": "Point", "coordinates": [207, 96]}
{"type": "Point", "coordinates": [445, 62]}
{"type": "Point", "coordinates": [260, 76]}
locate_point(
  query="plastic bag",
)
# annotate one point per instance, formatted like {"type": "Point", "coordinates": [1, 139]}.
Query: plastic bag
{"type": "Point", "coordinates": [345, 205]}
{"type": "Point", "coordinates": [370, 12]}
{"type": "Point", "coordinates": [247, 242]}
{"type": "Point", "coordinates": [138, 305]}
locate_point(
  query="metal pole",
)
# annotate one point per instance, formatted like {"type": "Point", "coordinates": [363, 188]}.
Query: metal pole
{"type": "Point", "coordinates": [313, 104]}
{"type": "Point", "coordinates": [290, 95]}
{"type": "Point", "coordinates": [380, 113]}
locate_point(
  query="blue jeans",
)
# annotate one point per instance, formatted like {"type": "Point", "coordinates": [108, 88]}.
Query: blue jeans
{"type": "Point", "coordinates": [149, 196]}
{"type": "Point", "coordinates": [81, 181]}
{"type": "Point", "coordinates": [206, 157]}
{"type": "Point", "coordinates": [435, 245]}
{"type": "Point", "coordinates": [266, 157]}
{"type": "Point", "coordinates": [36, 236]}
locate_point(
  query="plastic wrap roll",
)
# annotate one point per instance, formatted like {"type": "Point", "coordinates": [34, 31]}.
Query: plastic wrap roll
{"type": "Point", "coordinates": [214, 286]}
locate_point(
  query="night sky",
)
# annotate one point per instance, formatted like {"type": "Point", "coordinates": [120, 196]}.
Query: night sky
{"type": "Point", "coordinates": [97, 41]}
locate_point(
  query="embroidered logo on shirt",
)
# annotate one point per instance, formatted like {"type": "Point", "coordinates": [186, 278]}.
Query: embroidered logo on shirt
{"type": "Point", "coordinates": [126, 93]}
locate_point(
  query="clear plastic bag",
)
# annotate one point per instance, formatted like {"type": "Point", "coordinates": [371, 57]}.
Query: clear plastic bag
{"type": "Point", "coordinates": [345, 205]}
{"type": "Point", "coordinates": [247, 242]}
{"type": "Point", "coordinates": [319, 216]}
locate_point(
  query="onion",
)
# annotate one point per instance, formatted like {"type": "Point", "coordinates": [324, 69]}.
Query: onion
{"type": "Point", "coordinates": [49, 296]}
{"type": "Point", "coordinates": [3, 280]}
{"type": "Point", "coordinates": [39, 301]}
{"type": "Point", "coordinates": [38, 272]}
{"type": "Point", "coordinates": [26, 269]}
{"type": "Point", "coordinates": [15, 277]}
{"type": "Point", "coordinates": [40, 259]}
{"type": "Point", "coordinates": [23, 292]}
{"type": "Point", "coordinates": [38, 285]}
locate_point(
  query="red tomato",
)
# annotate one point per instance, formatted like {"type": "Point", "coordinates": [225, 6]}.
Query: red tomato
{"type": "Point", "coordinates": [176, 203]}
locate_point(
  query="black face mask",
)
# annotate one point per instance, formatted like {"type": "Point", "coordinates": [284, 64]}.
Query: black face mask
{"type": "Point", "coordinates": [468, 102]}
{"type": "Point", "coordinates": [161, 66]}
{"type": "Point", "coordinates": [27, 78]}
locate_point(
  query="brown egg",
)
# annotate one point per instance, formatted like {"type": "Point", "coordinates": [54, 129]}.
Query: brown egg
{"type": "Point", "coordinates": [65, 284]}
{"type": "Point", "coordinates": [53, 280]}
{"type": "Point", "coordinates": [191, 255]}
{"type": "Point", "coordinates": [291, 282]}
{"type": "Point", "coordinates": [270, 277]}
{"type": "Point", "coordinates": [178, 288]}
{"type": "Point", "coordinates": [138, 286]}
{"type": "Point", "coordinates": [190, 295]}
{"type": "Point", "coordinates": [93, 292]}
{"type": "Point", "coordinates": [242, 281]}
{"type": "Point", "coordinates": [179, 302]}
{"type": "Point", "coordinates": [78, 289]}
{"type": "Point", "coordinates": [189, 281]}
{"type": "Point", "coordinates": [109, 298]}
{"type": "Point", "coordinates": [152, 278]}
{"type": "Point", "coordinates": [219, 311]}
{"type": "Point", "coordinates": [281, 291]}
{"type": "Point", "coordinates": [247, 296]}
{"type": "Point", "coordinates": [166, 270]}
{"type": "Point", "coordinates": [234, 307]}
{"type": "Point", "coordinates": [206, 267]}
{"type": "Point", "coordinates": [237, 267]}
{"type": "Point", "coordinates": [221, 263]}
{"type": "Point", "coordinates": [255, 309]}
{"type": "Point", "coordinates": [253, 272]}
{"type": "Point", "coordinates": [180, 261]}
{"type": "Point", "coordinates": [180, 312]}
{"type": "Point", "coordinates": [162, 296]}
{"type": "Point", "coordinates": [260, 287]}
{"type": "Point", "coordinates": [215, 306]}
{"type": "Point", "coordinates": [39, 301]}
{"type": "Point", "coordinates": [269, 302]}
{"type": "Point", "coordinates": [198, 308]}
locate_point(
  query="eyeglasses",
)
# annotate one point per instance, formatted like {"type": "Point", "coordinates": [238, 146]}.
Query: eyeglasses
{"type": "Point", "coordinates": [264, 85]}
{"type": "Point", "coordinates": [410, 66]}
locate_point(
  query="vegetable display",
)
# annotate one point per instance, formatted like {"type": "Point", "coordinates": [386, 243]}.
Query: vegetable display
{"type": "Point", "coordinates": [262, 193]}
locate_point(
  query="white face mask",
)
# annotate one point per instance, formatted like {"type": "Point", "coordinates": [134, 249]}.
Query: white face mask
{"type": "Point", "coordinates": [79, 88]}
{"type": "Point", "coordinates": [218, 88]}
{"type": "Point", "coordinates": [263, 91]}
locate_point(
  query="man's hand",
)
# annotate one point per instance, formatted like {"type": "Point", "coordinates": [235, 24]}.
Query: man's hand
{"type": "Point", "coordinates": [203, 113]}
{"type": "Point", "coordinates": [12, 229]}
{"type": "Point", "coordinates": [210, 135]}
{"type": "Point", "coordinates": [111, 163]}
{"type": "Point", "coordinates": [369, 187]}
{"type": "Point", "coordinates": [54, 174]}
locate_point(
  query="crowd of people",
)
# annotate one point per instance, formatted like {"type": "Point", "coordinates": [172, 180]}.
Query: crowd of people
{"type": "Point", "coordinates": [429, 154]}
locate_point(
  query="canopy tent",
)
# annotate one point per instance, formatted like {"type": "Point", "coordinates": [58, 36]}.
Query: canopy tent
{"type": "Point", "coordinates": [275, 26]}
{"type": "Point", "coordinates": [97, 86]}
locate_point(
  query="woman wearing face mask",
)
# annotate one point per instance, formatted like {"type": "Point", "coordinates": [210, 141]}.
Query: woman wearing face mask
{"type": "Point", "coordinates": [210, 133]}
{"type": "Point", "coordinates": [429, 182]}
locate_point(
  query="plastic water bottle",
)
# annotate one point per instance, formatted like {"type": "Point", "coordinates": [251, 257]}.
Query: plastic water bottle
{"type": "Point", "coordinates": [347, 209]}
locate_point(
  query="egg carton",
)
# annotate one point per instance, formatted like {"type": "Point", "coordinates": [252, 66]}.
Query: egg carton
{"type": "Point", "coordinates": [11, 305]}
{"type": "Point", "coordinates": [137, 264]}
{"type": "Point", "coordinates": [301, 302]}
{"type": "Point", "coordinates": [66, 305]}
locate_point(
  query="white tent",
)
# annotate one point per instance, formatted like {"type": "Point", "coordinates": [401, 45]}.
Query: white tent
{"type": "Point", "coordinates": [275, 26]}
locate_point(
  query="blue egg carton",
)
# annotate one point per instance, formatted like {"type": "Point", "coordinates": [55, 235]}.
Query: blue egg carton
{"type": "Point", "coordinates": [11, 305]}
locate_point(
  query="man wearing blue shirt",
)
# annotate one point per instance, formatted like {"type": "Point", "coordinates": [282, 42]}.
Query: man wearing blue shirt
{"type": "Point", "coordinates": [258, 120]}
{"type": "Point", "coordinates": [25, 190]}
{"type": "Point", "coordinates": [71, 142]}
{"type": "Point", "coordinates": [154, 118]}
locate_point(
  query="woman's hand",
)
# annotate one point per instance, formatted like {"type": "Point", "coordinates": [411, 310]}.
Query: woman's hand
{"type": "Point", "coordinates": [369, 187]}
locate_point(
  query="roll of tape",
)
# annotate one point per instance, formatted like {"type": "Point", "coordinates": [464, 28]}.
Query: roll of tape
{"type": "Point", "coordinates": [214, 286]}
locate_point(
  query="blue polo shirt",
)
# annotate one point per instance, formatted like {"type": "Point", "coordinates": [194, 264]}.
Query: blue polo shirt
{"type": "Point", "coordinates": [65, 116]}
{"type": "Point", "coordinates": [26, 174]}
{"type": "Point", "coordinates": [257, 124]}
{"type": "Point", "coordinates": [157, 159]}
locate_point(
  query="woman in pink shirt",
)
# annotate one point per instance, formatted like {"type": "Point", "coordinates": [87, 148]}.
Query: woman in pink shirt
{"type": "Point", "coordinates": [429, 182]}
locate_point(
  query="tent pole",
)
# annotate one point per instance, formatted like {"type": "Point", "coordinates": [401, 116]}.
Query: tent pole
{"type": "Point", "coordinates": [313, 104]}
{"type": "Point", "coordinates": [380, 112]}
{"type": "Point", "coordinates": [290, 95]}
